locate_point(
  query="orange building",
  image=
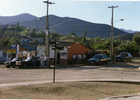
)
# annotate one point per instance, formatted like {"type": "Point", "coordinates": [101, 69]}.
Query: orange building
{"type": "Point", "coordinates": [76, 48]}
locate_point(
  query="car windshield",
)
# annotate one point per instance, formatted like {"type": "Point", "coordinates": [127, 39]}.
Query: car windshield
{"type": "Point", "coordinates": [123, 54]}
{"type": "Point", "coordinates": [28, 59]}
{"type": "Point", "coordinates": [97, 56]}
{"type": "Point", "coordinates": [15, 59]}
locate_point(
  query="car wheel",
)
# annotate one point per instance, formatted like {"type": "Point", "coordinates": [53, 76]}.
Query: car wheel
{"type": "Point", "coordinates": [19, 66]}
{"type": "Point", "coordinates": [124, 60]}
{"type": "Point", "coordinates": [91, 63]}
{"type": "Point", "coordinates": [107, 62]}
{"type": "Point", "coordinates": [117, 59]}
{"type": "Point", "coordinates": [24, 66]}
{"type": "Point", "coordinates": [99, 63]}
{"type": "Point", "coordinates": [7, 66]}
{"type": "Point", "coordinates": [13, 66]}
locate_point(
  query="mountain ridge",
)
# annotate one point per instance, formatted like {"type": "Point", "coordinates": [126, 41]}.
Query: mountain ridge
{"type": "Point", "coordinates": [66, 25]}
{"type": "Point", "coordinates": [129, 31]}
{"type": "Point", "coordinates": [16, 18]}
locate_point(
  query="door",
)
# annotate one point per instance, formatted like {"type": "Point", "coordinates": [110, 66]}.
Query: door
{"type": "Point", "coordinates": [58, 58]}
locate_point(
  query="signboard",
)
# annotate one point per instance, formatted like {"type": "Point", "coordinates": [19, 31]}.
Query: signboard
{"type": "Point", "coordinates": [26, 54]}
{"type": "Point", "coordinates": [13, 46]}
{"type": "Point", "coordinates": [63, 52]}
{"type": "Point", "coordinates": [11, 51]}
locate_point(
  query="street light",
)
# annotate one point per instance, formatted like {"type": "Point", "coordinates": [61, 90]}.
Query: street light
{"type": "Point", "coordinates": [41, 20]}
{"type": "Point", "coordinates": [119, 20]}
{"type": "Point", "coordinates": [111, 43]}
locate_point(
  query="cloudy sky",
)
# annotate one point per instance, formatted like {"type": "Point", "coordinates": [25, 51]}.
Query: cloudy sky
{"type": "Point", "coordinates": [92, 10]}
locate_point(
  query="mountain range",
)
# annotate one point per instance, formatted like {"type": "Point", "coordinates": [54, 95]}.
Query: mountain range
{"type": "Point", "coordinates": [129, 31]}
{"type": "Point", "coordinates": [21, 18]}
{"type": "Point", "coordinates": [63, 25]}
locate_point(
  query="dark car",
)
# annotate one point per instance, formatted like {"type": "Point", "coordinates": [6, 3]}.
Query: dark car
{"type": "Point", "coordinates": [29, 62]}
{"type": "Point", "coordinates": [124, 56]}
{"type": "Point", "coordinates": [99, 58]}
{"type": "Point", "coordinates": [12, 63]}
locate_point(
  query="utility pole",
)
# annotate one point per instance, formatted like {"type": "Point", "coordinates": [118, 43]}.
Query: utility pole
{"type": "Point", "coordinates": [47, 50]}
{"type": "Point", "coordinates": [111, 43]}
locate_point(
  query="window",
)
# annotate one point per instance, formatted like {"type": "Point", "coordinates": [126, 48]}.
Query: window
{"type": "Point", "coordinates": [64, 55]}
{"type": "Point", "coordinates": [4, 54]}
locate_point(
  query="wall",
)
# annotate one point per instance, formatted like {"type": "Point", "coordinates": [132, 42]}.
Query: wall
{"type": "Point", "coordinates": [51, 52]}
{"type": "Point", "coordinates": [63, 55]}
{"type": "Point", "coordinates": [40, 51]}
{"type": "Point", "coordinates": [2, 56]}
{"type": "Point", "coordinates": [76, 48]}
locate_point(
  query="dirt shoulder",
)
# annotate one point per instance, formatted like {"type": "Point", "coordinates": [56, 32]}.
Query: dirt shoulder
{"type": "Point", "coordinates": [70, 91]}
{"type": "Point", "coordinates": [75, 90]}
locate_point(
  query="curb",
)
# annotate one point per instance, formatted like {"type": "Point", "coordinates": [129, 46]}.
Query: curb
{"type": "Point", "coordinates": [75, 80]}
{"type": "Point", "coordinates": [123, 97]}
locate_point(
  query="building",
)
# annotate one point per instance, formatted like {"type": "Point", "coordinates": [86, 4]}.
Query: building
{"type": "Point", "coordinates": [76, 48]}
{"type": "Point", "coordinates": [27, 43]}
{"type": "Point", "coordinates": [64, 56]}
{"type": "Point", "coordinates": [7, 53]}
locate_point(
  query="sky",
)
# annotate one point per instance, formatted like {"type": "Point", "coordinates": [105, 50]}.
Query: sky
{"type": "Point", "coordinates": [95, 11]}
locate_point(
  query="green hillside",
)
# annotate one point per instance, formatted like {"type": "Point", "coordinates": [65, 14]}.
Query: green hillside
{"type": "Point", "coordinates": [126, 36]}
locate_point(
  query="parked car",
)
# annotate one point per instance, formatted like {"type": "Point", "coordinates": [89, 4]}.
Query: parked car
{"type": "Point", "coordinates": [29, 62]}
{"type": "Point", "coordinates": [124, 56]}
{"type": "Point", "coordinates": [12, 63]}
{"type": "Point", "coordinates": [99, 58]}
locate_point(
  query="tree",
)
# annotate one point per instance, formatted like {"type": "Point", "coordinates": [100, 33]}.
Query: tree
{"type": "Point", "coordinates": [78, 39]}
{"type": "Point", "coordinates": [54, 35]}
{"type": "Point", "coordinates": [130, 47]}
{"type": "Point", "coordinates": [17, 27]}
{"type": "Point", "coordinates": [136, 38]}
{"type": "Point", "coordinates": [5, 41]}
{"type": "Point", "coordinates": [9, 41]}
{"type": "Point", "coordinates": [33, 33]}
{"type": "Point", "coordinates": [72, 34]}
{"type": "Point", "coordinates": [84, 40]}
